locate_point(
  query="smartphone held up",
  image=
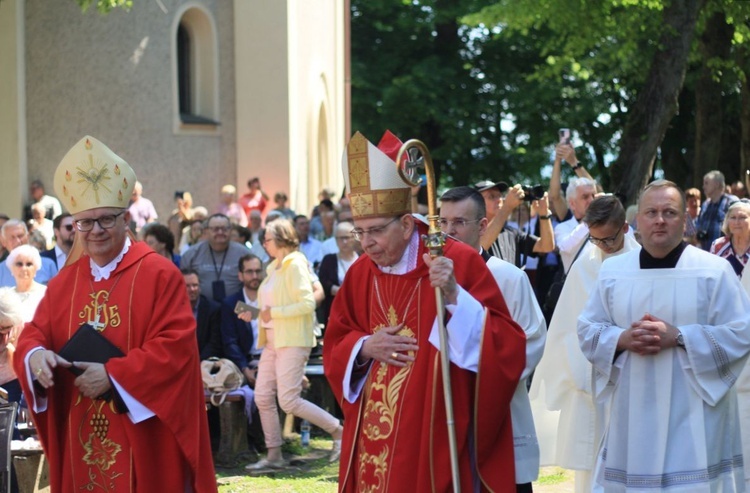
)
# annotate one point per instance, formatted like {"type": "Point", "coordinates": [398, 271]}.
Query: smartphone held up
{"type": "Point", "coordinates": [564, 136]}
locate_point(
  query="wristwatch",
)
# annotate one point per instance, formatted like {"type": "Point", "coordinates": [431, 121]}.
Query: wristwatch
{"type": "Point", "coordinates": [680, 340]}
{"type": "Point", "coordinates": [548, 216]}
{"type": "Point", "coordinates": [578, 166]}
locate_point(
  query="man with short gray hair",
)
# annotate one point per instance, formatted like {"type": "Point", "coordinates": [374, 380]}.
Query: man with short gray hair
{"type": "Point", "coordinates": [12, 234]}
{"type": "Point", "coordinates": [570, 235]}
{"type": "Point", "coordinates": [713, 209]}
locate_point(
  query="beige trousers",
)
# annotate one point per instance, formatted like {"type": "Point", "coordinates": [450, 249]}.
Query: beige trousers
{"type": "Point", "coordinates": [280, 373]}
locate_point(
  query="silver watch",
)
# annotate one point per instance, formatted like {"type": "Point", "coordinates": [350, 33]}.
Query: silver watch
{"type": "Point", "coordinates": [680, 339]}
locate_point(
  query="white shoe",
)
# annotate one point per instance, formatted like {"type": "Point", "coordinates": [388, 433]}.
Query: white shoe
{"type": "Point", "coordinates": [335, 451]}
{"type": "Point", "coordinates": [266, 464]}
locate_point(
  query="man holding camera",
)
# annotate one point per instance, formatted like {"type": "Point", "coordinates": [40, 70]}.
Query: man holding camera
{"type": "Point", "coordinates": [570, 235]}
{"type": "Point", "coordinates": [507, 242]}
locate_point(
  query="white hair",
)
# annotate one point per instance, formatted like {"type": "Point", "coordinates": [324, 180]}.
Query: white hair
{"type": "Point", "coordinates": [12, 223]}
{"type": "Point", "coordinates": [575, 184]}
{"type": "Point", "coordinates": [10, 307]}
{"type": "Point", "coordinates": [27, 251]}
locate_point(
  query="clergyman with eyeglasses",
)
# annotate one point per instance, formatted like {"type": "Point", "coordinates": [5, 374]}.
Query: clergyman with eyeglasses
{"type": "Point", "coordinates": [216, 260]}
{"type": "Point", "coordinates": [116, 425]}
{"type": "Point", "coordinates": [562, 401]}
{"type": "Point", "coordinates": [667, 331]}
{"type": "Point", "coordinates": [380, 349]}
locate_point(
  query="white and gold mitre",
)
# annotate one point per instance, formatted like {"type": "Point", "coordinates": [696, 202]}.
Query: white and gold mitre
{"type": "Point", "coordinates": [373, 184]}
{"type": "Point", "coordinates": [91, 175]}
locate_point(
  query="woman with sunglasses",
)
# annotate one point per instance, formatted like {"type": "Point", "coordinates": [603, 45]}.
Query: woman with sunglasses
{"type": "Point", "coordinates": [24, 261]}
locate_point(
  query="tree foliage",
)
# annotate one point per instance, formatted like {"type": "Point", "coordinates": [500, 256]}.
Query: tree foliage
{"type": "Point", "coordinates": [489, 102]}
{"type": "Point", "coordinates": [105, 6]}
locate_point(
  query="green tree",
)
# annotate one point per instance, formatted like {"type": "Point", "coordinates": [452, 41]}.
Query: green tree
{"type": "Point", "coordinates": [105, 6]}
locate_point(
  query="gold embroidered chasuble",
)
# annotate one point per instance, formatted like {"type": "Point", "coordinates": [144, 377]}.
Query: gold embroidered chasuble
{"type": "Point", "coordinates": [143, 310]}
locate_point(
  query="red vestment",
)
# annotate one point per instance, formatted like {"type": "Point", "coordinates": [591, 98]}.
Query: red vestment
{"type": "Point", "coordinates": [395, 434]}
{"type": "Point", "coordinates": [146, 313]}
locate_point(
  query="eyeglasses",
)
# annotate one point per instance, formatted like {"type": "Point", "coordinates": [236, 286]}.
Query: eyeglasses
{"type": "Point", "coordinates": [218, 229]}
{"type": "Point", "coordinates": [344, 238]}
{"type": "Point", "coordinates": [458, 223]}
{"type": "Point", "coordinates": [605, 242]}
{"type": "Point", "coordinates": [104, 222]}
{"type": "Point", "coordinates": [21, 264]}
{"type": "Point", "coordinates": [375, 232]}
{"type": "Point", "coordinates": [257, 272]}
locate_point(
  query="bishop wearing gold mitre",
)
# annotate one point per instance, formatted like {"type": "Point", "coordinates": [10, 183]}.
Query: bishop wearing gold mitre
{"type": "Point", "coordinates": [135, 422]}
{"type": "Point", "coordinates": [381, 347]}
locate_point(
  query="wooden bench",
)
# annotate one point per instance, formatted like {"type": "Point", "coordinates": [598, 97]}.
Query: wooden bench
{"type": "Point", "coordinates": [32, 470]}
{"type": "Point", "coordinates": [233, 423]}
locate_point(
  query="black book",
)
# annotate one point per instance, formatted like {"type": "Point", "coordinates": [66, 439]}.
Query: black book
{"type": "Point", "coordinates": [89, 345]}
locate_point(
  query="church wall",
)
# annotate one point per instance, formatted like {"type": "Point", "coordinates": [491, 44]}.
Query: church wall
{"type": "Point", "coordinates": [317, 91]}
{"type": "Point", "coordinates": [112, 77]}
{"type": "Point", "coordinates": [13, 184]}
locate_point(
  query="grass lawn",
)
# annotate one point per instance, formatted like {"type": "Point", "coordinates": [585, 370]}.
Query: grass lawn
{"type": "Point", "coordinates": [310, 472]}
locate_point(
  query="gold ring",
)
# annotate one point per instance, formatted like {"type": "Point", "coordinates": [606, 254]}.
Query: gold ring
{"type": "Point", "coordinates": [394, 356]}
{"type": "Point", "coordinates": [38, 371]}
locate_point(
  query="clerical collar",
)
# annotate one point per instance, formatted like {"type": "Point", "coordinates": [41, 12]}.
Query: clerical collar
{"type": "Point", "coordinates": [668, 262]}
{"type": "Point", "coordinates": [104, 272]}
{"type": "Point", "coordinates": [408, 261]}
{"type": "Point", "coordinates": [485, 254]}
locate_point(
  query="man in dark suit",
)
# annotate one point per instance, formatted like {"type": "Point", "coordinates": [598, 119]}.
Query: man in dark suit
{"type": "Point", "coordinates": [207, 315]}
{"type": "Point", "coordinates": [65, 233]}
{"type": "Point", "coordinates": [238, 331]}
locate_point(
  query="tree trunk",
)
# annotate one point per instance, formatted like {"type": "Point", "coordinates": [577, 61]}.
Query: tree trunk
{"type": "Point", "coordinates": [656, 103]}
{"type": "Point", "coordinates": [715, 42]}
{"type": "Point", "coordinates": [744, 63]}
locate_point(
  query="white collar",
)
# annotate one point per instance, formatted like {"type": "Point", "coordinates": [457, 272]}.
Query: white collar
{"type": "Point", "coordinates": [104, 272]}
{"type": "Point", "coordinates": [408, 261]}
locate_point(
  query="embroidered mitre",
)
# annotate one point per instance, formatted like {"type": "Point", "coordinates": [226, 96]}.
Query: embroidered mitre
{"type": "Point", "coordinates": [373, 184]}
{"type": "Point", "coordinates": [91, 176]}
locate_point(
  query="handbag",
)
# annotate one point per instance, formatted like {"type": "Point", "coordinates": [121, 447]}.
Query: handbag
{"type": "Point", "coordinates": [556, 287]}
{"type": "Point", "coordinates": [220, 377]}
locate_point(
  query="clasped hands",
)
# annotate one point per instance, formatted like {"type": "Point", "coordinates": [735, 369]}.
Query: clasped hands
{"type": "Point", "coordinates": [92, 383]}
{"type": "Point", "coordinates": [387, 346]}
{"type": "Point", "coordinates": [649, 335]}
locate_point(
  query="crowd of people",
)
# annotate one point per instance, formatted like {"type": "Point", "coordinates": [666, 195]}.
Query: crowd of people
{"type": "Point", "coordinates": [607, 341]}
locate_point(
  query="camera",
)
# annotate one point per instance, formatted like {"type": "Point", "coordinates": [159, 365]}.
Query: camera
{"type": "Point", "coordinates": [533, 192]}
{"type": "Point", "coordinates": [701, 235]}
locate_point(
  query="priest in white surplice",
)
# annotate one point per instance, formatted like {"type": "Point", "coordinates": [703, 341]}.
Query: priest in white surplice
{"type": "Point", "coordinates": [667, 329]}
{"type": "Point", "coordinates": [463, 216]}
{"type": "Point", "coordinates": [743, 398]}
{"type": "Point", "coordinates": [561, 398]}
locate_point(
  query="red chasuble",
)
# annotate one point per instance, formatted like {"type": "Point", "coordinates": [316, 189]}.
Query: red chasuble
{"type": "Point", "coordinates": [144, 310]}
{"type": "Point", "coordinates": [395, 434]}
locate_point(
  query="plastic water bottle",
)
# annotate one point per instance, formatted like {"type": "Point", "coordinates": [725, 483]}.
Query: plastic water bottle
{"type": "Point", "coordinates": [304, 429]}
